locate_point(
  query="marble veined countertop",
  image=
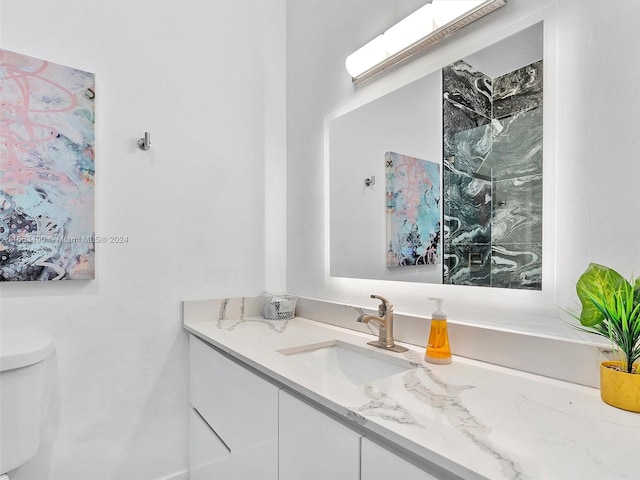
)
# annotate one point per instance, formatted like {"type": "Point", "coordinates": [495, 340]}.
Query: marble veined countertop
{"type": "Point", "coordinates": [474, 419]}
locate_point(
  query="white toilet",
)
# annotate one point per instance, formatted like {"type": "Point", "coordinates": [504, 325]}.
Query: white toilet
{"type": "Point", "coordinates": [23, 402]}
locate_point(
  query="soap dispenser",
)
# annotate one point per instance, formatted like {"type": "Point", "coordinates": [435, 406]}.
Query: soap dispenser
{"type": "Point", "coordinates": [438, 349]}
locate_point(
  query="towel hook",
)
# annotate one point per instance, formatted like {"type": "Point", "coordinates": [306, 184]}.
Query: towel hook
{"type": "Point", "coordinates": [145, 142]}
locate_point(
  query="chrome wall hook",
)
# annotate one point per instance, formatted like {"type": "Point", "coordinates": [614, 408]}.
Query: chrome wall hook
{"type": "Point", "coordinates": [370, 181]}
{"type": "Point", "coordinates": [145, 142]}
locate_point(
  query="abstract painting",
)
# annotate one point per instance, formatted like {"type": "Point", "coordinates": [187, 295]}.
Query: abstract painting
{"type": "Point", "coordinates": [47, 170]}
{"type": "Point", "coordinates": [413, 211]}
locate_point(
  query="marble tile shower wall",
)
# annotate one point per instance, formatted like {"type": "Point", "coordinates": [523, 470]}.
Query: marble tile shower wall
{"type": "Point", "coordinates": [493, 176]}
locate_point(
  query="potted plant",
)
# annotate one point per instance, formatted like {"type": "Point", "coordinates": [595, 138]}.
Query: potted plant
{"type": "Point", "coordinates": [611, 308]}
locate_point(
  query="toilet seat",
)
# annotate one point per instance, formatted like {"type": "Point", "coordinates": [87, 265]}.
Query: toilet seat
{"type": "Point", "coordinates": [19, 350]}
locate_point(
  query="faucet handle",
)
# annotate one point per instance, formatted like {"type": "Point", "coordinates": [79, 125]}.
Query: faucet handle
{"type": "Point", "coordinates": [384, 307]}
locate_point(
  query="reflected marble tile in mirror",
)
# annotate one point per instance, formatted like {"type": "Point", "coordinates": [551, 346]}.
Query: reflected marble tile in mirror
{"type": "Point", "coordinates": [492, 149]}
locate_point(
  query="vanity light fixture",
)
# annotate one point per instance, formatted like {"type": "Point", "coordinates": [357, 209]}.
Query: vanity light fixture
{"type": "Point", "coordinates": [424, 27]}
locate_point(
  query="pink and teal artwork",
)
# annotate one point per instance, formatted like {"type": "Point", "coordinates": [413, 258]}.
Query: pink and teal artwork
{"type": "Point", "coordinates": [47, 170]}
{"type": "Point", "coordinates": [413, 211]}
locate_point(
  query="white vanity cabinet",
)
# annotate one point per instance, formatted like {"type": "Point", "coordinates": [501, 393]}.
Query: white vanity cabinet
{"type": "Point", "coordinates": [234, 419]}
{"type": "Point", "coordinates": [379, 463]}
{"type": "Point", "coordinates": [314, 446]}
{"type": "Point", "coordinates": [243, 427]}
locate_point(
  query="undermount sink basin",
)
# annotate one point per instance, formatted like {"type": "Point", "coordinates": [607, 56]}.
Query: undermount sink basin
{"type": "Point", "coordinates": [351, 363]}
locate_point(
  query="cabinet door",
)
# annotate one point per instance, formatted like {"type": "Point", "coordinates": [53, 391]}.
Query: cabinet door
{"type": "Point", "coordinates": [240, 409]}
{"type": "Point", "coordinates": [380, 464]}
{"type": "Point", "coordinates": [313, 446]}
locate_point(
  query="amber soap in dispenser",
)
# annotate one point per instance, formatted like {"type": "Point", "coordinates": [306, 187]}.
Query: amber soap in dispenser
{"type": "Point", "coordinates": [438, 348]}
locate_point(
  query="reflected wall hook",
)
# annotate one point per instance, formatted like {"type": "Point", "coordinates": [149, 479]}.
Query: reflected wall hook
{"type": "Point", "coordinates": [145, 142]}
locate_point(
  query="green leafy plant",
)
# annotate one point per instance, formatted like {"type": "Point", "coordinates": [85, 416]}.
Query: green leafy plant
{"type": "Point", "coordinates": [611, 308]}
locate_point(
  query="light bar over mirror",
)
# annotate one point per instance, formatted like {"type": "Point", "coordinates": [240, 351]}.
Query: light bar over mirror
{"type": "Point", "coordinates": [424, 27]}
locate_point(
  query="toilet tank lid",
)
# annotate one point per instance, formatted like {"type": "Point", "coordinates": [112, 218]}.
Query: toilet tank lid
{"type": "Point", "coordinates": [21, 349]}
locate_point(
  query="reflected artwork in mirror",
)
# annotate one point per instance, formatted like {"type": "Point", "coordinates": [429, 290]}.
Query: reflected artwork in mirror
{"type": "Point", "coordinates": [413, 211]}
{"type": "Point", "coordinates": [479, 120]}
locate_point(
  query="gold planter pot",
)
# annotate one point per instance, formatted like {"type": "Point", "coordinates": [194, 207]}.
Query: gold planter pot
{"type": "Point", "coordinates": [619, 389]}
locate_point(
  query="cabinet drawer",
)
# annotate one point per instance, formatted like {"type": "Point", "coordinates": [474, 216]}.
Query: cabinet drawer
{"type": "Point", "coordinates": [240, 408]}
{"type": "Point", "coordinates": [210, 375]}
{"type": "Point", "coordinates": [208, 456]}
{"type": "Point", "coordinates": [313, 446]}
{"type": "Point", "coordinates": [380, 464]}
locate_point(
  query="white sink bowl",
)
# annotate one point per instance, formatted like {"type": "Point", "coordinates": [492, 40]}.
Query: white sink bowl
{"type": "Point", "coordinates": [351, 363]}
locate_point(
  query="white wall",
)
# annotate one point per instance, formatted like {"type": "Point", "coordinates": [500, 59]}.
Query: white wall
{"type": "Point", "coordinates": [407, 121]}
{"type": "Point", "coordinates": [591, 194]}
{"type": "Point", "coordinates": [206, 78]}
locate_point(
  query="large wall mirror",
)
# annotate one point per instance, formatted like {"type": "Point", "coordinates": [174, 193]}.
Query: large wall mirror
{"type": "Point", "coordinates": [440, 180]}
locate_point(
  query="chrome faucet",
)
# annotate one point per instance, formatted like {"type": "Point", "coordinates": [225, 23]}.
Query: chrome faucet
{"type": "Point", "coordinates": [384, 320]}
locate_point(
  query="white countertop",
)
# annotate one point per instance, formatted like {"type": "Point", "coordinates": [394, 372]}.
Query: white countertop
{"type": "Point", "coordinates": [472, 418]}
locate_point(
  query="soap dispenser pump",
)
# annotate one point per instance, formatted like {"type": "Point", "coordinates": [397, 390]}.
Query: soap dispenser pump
{"type": "Point", "coordinates": [438, 349]}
